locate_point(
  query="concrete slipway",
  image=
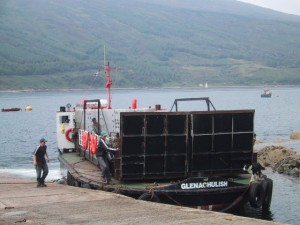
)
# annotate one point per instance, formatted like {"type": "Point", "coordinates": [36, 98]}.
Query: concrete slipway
{"type": "Point", "coordinates": [22, 203]}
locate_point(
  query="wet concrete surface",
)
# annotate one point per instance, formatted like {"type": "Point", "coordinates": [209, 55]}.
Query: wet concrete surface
{"type": "Point", "coordinates": [21, 202]}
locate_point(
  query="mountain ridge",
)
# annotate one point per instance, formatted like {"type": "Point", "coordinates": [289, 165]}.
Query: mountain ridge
{"type": "Point", "coordinates": [54, 44]}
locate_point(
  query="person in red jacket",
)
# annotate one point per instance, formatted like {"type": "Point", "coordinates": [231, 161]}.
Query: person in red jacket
{"type": "Point", "coordinates": [40, 163]}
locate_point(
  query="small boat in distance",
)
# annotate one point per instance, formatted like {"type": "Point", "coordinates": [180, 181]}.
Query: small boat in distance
{"type": "Point", "coordinates": [266, 94]}
{"type": "Point", "coordinates": [11, 110]}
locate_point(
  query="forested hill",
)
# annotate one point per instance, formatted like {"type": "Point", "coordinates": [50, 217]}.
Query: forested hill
{"type": "Point", "coordinates": [49, 44]}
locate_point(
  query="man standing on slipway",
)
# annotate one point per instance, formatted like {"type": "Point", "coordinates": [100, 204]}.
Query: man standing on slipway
{"type": "Point", "coordinates": [40, 163]}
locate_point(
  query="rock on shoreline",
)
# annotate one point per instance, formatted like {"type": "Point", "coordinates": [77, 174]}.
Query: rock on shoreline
{"type": "Point", "coordinates": [295, 136]}
{"type": "Point", "coordinates": [280, 159]}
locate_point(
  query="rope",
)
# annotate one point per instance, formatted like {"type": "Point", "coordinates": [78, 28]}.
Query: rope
{"type": "Point", "coordinates": [117, 190]}
{"type": "Point", "coordinates": [172, 199]}
{"type": "Point", "coordinates": [104, 121]}
{"type": "Point", "coordinates": [236, 201]}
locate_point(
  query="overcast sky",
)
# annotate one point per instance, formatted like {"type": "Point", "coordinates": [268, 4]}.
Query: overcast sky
{"type": "Point", "coordinates": [286, 6]}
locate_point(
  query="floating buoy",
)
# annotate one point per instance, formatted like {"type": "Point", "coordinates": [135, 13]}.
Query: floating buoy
{"type": "Point", "coordinates": [28, 108]}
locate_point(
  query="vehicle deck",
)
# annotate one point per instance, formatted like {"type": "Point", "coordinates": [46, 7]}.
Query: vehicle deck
{"type": "Point", "coordinates": [86, 173]}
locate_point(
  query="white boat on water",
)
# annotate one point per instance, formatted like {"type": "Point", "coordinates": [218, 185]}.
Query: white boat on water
{"type": "Point", "coordinates": [266, 94]}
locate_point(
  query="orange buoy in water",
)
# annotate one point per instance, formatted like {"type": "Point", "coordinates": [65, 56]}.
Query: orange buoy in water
{"type": "Point", "coordinates": [28, 108]}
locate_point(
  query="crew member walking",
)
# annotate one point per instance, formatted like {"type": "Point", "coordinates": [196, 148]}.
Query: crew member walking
{"type": "Point", "coordinates": [40, 163]}
{"type": "Point", "coordinates": [102, 156]}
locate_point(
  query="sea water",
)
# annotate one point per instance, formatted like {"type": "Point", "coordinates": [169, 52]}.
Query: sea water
{"type": "Point", "coordinates": [275, 119]}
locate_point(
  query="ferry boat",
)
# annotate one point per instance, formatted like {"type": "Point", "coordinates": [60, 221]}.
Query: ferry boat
{"type": "Point", "coordinates": [189, 158]}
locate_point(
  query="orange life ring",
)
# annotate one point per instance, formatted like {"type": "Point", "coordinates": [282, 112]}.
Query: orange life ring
{"type": "Point", "coordinates": [67, 134]}
{"type": "Point", "coordinates": [84, 138]}
{"type": "Point", "coordinates": [93, 143]}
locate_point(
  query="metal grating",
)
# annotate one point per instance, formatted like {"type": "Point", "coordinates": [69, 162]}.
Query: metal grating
{"type": "Point", "coordinates": [175, 145]}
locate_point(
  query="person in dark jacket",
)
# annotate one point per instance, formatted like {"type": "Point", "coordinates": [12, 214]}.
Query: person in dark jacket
{"type": "Point", "coordinates": [40, 163]}
{"type": "Point", "coordinates": [102, 156]}
{"type": "Point", "coordinates": [75, 139]}
{"type": "Point", "coordinates": [96, 126]}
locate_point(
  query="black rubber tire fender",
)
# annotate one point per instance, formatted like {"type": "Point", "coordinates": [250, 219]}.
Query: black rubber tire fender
{"type": "Point", "coordinates": [256, 195]}
{"type": "Point", "coordinates": [151, 197]}
{"type": "Point", "coordinates": [268, 189]}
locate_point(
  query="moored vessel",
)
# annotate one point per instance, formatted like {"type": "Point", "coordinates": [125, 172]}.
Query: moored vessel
{"type": "Point", "coordinates": [10, 109]}
{"type": "Point", "coordinates": [191, 158]}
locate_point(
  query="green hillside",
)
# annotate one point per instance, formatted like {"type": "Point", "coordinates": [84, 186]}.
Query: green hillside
{"type": "Point", "coordinates": [50, 44]}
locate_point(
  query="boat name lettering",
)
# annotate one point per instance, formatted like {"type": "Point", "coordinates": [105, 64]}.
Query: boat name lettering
{"type": "Point", "coordinates": [199, 185]}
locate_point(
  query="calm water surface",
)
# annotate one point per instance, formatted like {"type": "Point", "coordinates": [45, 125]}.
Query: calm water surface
{"type": "Point", "coordinates": [275, 119]}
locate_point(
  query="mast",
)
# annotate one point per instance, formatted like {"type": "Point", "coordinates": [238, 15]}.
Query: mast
{"type": "Point", "coordinates": [104, 57]}
{"type": "Point", "coordinates": [108, 84]}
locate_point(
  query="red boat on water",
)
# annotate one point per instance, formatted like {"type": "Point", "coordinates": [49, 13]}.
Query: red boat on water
{"type": "Point", "coordinates": [11, 110]}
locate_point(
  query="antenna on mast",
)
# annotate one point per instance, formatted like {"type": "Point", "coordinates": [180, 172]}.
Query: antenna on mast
{"type": "Point", "coordinates": [104, 56]}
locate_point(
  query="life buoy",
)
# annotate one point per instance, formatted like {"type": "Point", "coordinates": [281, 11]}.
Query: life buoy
{"type": "Point", "coordinates": [93, 143]}
{"type": "Point", "coordinates": [256, 195]}
{"type": "Point", "coordinates": [268, 189]}
{"type": "Point", "coordinates": [84, 138]}
{"type": "Point", "coordinates": [67, 134]}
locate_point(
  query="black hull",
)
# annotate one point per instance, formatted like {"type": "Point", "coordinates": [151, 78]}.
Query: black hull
{"type": "Point", "coordinates": [219, 199]}
{"type": "Point", "coordinates": [194, 198]}
{"type": "Point", "coordinates": [266, 95]}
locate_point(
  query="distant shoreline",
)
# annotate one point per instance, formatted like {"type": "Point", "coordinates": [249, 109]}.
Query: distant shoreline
{"type": "Point", "coordinates": [146, 88]}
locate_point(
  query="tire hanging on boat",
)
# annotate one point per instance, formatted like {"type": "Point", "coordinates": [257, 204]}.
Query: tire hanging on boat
{"type": "Point", "coordinates": [268, 189]}
{"type": "Point", "coordinates": [151, 197]}
{"type": "Point", "coordinates": [256, 195]}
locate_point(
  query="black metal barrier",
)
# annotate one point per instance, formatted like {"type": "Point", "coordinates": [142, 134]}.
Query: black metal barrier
{"type": "Point", "coordinates": [176, 145]}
